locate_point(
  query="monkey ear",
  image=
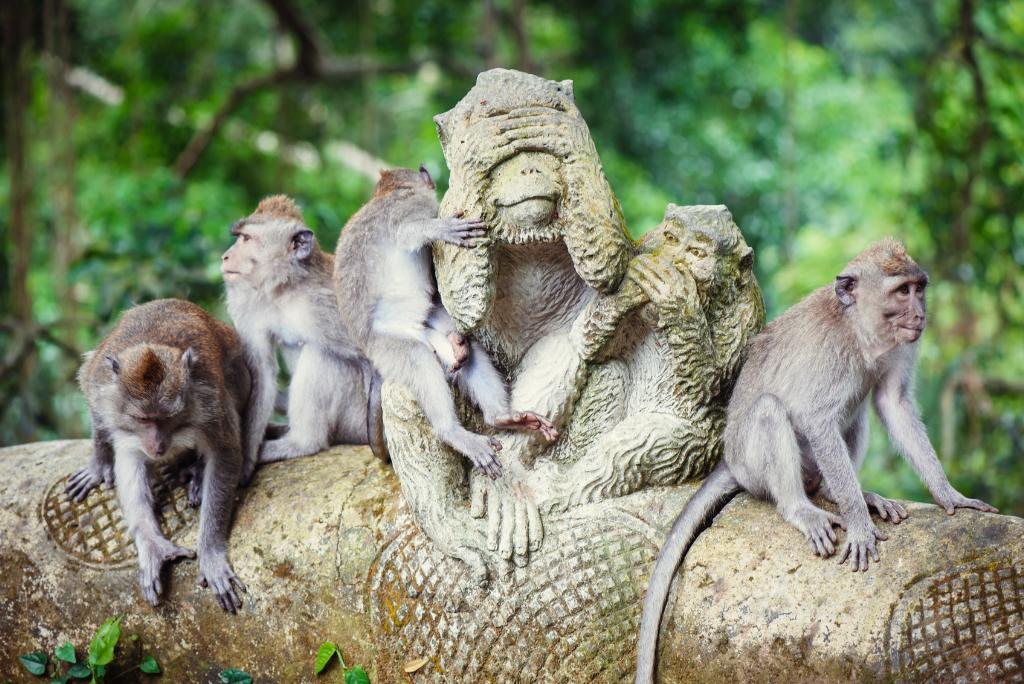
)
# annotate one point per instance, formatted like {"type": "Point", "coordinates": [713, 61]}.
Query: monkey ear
{"type": "Point", "coordinates": [846, 285]}
{"type": "Point", "coordinates": [115, 367]}
{"type": "Point", "coordinates": [425, 175]}
{"type": "Point", "coordinates": [302, 244]}
{"type": "Point", "coordinates": [188, 358]}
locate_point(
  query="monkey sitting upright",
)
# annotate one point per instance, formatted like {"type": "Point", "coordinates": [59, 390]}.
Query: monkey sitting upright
{"type": "Point", "coordinates": [168, 378]}
{"type": "Point", "coordinates": [797, 420]}
{"type": "Point", "coordinates": [387, 296]}
{"type": "Point", "coordinates": [279, 291]}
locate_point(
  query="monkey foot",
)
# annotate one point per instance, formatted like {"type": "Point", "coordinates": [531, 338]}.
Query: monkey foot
{"type": "Point", "coordinates": [528, 420]}
{"type": "Point", "coordinates": [817, 525]}
{"type": "Point", "coordinates": [153, 554]}
{"type": "Point", "coordinates": [460, 350]}
{"type": "Point", "coordinates": [887, 509]}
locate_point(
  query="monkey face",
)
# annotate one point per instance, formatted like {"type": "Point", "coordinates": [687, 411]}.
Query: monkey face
{"type": "Point", "coordinates": [266, 251]}
{"type": "Point", "coordinates": [150, 402]}
{"type": "Point", "coordinates": [904, 306]}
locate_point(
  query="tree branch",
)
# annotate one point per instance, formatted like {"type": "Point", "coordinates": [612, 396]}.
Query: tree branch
{"type": "Point", "coordinates": [312, 64]}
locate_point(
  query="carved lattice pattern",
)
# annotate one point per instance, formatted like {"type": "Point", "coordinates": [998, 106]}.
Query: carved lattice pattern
{"type": "Point", "coordinates": [93, 531]}
{"type": "Point", "coordinates": [966, 625]}
{"type": "Point", "coordinates": [583, 591]}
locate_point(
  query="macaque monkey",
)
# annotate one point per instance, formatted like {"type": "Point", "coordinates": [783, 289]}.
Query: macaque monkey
{"type": "Point", "coordinates": [797, 420]}
{"type": "Point", "coordinates": [387, 296]}
{"type": "Point", "coordinates": [169, 378]}
{"type": "Point", "coordinates": [279, 292]}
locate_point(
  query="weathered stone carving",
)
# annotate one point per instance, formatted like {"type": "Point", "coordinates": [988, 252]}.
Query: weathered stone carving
{"type": "Point", "coordinates": [629, 349]}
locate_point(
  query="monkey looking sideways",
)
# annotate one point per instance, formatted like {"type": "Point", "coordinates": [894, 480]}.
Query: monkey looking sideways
{"type": "Point", "coordinates": [387, 297]}
{"type": "Point", "coordinates": [279, 292]}
{"type": "Point", "coordinates": [797, 420]}
{"type": "Point", "coordinates": [168, 378]}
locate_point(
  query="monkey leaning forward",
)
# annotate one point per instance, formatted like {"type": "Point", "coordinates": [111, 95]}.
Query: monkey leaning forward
{"type": "Point", "coordinates": [167, 379]}
{"type": "Point", "coordinates": [797, 420]}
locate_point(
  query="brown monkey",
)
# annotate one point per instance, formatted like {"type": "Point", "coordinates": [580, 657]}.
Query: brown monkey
{"type": "Point", "coordinates": [279, 292]}
{"type": "Point", "coordinates": [798, 415]}
{"type": "Point", "coordinates": [388, 300]}
{"type": "Point", "coordinates": [168, 378]}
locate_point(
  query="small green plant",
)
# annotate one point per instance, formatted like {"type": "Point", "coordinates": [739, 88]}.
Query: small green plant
{"type": "Point", "coordinates": [327, 651]}
{"type": "Point", "coordinates": [235, 676]}
{"type": "Point", "coordinates": [65, 665]}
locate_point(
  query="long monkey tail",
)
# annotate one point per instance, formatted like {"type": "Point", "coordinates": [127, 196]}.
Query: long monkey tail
{"type": "Point", "coordinates": [718, 489]}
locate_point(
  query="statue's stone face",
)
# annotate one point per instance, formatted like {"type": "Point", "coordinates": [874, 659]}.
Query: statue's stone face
{"type": "Point", "coordinates": [525, 191]}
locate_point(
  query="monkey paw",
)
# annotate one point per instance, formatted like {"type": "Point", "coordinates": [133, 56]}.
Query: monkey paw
{"type": "Point", "coordinates": [215, 572]}
{"type": "Point", "coordinates": [528, 420]}
{"type": "Point", "coordinates": [88, 478]}
{"type": "Point", "coordinates": [951, 500]}
{"type": "Point", "coordinates": [192, 476]}
{"type": "Point", "coordinates": [817, 525]}
{"type": "Point", "coordinates": [482, 451]}
{"type": "Point", "coordinates": [462, 232]}
{"type": "Point", "coordinates": [153, 554]}
{"type": "Point", "coordinates": [860, 544]}
{"type": "Point", "coordinates": [887, 509]}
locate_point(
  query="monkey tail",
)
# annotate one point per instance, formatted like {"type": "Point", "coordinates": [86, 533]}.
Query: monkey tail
{"type": "Point", "coordinates": [375, 419]}
{"type": "Point", "coordinates": [716, 491]}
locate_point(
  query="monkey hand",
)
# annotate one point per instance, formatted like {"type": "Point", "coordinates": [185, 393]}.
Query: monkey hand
{"type": "Point", "coordinates": [514, 527]}
{"type": "Point", "coordinates": [215, 572]}
{"type": "Point", "coordinates": [88, 478]}
{"type": "Point", "coordinates": [153, 554]}
{"type": "Point", "coordinates": [460, 232]}
{"type": "Point", "coordinates": [860, 543]}
{"type": "Point", "coordinates": [950, 500]}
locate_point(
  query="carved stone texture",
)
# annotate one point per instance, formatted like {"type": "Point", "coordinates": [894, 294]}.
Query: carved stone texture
{"type": "Point", "coordinates": [329, 552]}
{"type": "Point", "coordinates": [630, 350]}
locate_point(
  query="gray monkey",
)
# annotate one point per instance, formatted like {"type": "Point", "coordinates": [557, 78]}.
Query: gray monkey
{"type": "Point", "coordinates": [797, 421]}
{"type": "Point", "coordinates": [387, 296]}
{"type": "Point", "coordinates": [279, 292]}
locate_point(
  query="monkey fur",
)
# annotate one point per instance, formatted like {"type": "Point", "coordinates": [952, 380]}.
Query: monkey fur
{"type": "Point", "coordinates": [169, 378]}
{"type": "Point", "coordinates": [387, 296]}
{"type": "Point", "coordinates": [797, 421]}
{"type": "Point", "coordinates": [279, 292]}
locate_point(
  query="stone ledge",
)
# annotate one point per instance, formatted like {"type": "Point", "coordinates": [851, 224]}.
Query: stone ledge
{"type": "Point", "coordinates": [328, 552]}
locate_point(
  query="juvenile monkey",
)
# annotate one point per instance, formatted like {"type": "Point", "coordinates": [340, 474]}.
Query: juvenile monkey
{"type": "Point", "coordinates": [798, 416]}
{"type": "Point", "coordinates": [168, 378]}
{"type": "Point", "coordinates": [279, 291]}
{"type": "Point", "coordinates": [387, 296]}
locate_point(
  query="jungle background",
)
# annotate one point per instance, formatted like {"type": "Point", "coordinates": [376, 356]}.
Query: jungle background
{"type": "Point", "coordinates": [136, 132]}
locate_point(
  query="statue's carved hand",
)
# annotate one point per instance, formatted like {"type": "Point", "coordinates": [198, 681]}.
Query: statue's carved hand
{"type": "Point", "coordinates": [672, 291]}
{"type": "Point", "coordinates": [514, 527]}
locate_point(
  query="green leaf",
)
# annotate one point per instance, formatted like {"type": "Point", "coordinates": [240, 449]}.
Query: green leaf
{"type": "Point", "coordinates": [234, 676]}
{"type": "Point", "coordinates": [149, 665]}
{"type": "Point", "coordinates": [101, 650]}
{"type": "Point", "coordinates": [79, 671]}
{"type": "Point", "coordinates": [66, 653]}
{"type": "Point", "coordinates": [35, 662]}
{"type": "Point", "coordinates": [63, 679]}
{"type": "Point", "coordinates": [357, 675]}
{"type": "Point", "coordinates": [324, 655]}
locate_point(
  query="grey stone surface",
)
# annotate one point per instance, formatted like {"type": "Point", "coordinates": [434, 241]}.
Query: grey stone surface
{"type": "Point", "coordinates": [329, 551]}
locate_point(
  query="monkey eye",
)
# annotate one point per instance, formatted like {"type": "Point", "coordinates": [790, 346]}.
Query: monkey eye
{"type": "Point", "coordinates": [697, 252]}
{"type": "Point", "coordinates": [671, 239]}
{"type": "Point", "coordinates": [244, 237]}
{"type": "Point", "coordinates": [904, 289]}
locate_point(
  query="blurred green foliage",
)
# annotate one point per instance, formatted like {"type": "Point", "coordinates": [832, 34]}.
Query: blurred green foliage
{"type": "Point", "coordinates": [822, 125]}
